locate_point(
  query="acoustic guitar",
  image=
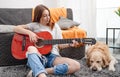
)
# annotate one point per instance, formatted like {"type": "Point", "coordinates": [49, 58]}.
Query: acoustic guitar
{"type": "Point", "coordinates": [21, 42]}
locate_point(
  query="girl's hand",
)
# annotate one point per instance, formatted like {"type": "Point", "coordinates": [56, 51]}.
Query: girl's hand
{"type": "Point", "coordinates": [33, 37]}
{"type": "Point", "coordinates": [74, 44]}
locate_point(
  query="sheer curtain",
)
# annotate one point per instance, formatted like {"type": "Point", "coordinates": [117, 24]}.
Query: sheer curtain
{"type": "Point", "coordinates": [106, 16]}
{"type": "Point", "coordinates": [88, 16]}
{"type": "Point", "coordinates": [84, 11]}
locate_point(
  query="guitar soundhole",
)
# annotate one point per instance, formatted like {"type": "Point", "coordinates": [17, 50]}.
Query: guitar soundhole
{"type": "Point", "coordinates": [39, 43]}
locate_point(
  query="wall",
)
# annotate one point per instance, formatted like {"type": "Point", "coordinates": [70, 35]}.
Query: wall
{"type": "Point", "coordinates": [88, 16]}
{"type": "Point", "coordinates": [19, 3]}
{"type": "Point", "coordinates": [106, 17]}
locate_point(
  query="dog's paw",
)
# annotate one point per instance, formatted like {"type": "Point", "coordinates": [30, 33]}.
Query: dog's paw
{"type": "Point", "coordinates": [111, 68]}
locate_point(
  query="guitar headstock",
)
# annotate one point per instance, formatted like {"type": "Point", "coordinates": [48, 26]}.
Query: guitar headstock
{"type": "Point", "coordinates": [89, 41]}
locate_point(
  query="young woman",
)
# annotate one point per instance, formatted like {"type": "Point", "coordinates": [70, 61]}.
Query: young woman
{"type": "Point", "coordinates": [51, 63]}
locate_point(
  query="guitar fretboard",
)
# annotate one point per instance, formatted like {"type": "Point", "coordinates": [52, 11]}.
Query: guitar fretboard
{"type": "Point", "coordinates": [63, 41]}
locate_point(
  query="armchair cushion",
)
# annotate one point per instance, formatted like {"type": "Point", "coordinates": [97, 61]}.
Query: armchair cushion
{"type": "Point", "coordinates": [66, 23]}
{"type": "Point", "coordinates": [6, 28]}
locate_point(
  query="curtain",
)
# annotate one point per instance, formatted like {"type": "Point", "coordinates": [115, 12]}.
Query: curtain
{"type": "Point", "coordinates": [84, 11]}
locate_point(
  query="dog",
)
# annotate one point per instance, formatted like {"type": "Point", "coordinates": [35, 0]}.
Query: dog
{"type": "Point", "coordinates": [98, 57]}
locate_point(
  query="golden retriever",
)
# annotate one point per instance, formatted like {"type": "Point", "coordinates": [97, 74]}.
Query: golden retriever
{"type": "Point", "coordinates": [98, 56]}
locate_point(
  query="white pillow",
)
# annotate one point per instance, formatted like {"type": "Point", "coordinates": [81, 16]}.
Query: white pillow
{"type": "Point", "coordinates": [66, 23]}
{"type": "Point", "coordinates": [6, 28]}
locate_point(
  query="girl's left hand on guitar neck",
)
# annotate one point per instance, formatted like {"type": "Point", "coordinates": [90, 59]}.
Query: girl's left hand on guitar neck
{"type": "Point", "coordinates": [74, 44]}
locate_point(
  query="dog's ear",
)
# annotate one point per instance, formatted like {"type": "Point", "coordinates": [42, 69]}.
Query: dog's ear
{"type": "Point", "coordinates": [88, 54]}
{"type": "Point", "coordinates": [105, 61]}
{"type": "Point", "coordinates": [88, 61]}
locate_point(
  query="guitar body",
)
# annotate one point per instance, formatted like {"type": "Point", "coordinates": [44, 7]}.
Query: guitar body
{"type": "Point", "coordinates": [19, 51]}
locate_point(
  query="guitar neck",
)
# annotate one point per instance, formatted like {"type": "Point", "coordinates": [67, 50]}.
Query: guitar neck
{"type": "Point", "coordinates": [63, 41]}
{"type": "Point", "coordinates": [59, 41]}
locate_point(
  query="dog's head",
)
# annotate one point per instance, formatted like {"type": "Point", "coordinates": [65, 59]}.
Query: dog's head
{"type": "Point", "coordinates": [97, 57]}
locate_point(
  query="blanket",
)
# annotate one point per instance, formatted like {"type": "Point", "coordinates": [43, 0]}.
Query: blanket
{"type": "Point", "coordinates": [74, 32]}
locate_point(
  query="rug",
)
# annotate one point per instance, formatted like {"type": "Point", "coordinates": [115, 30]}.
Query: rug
{"type": "Point", "coordinates": [22, 70]}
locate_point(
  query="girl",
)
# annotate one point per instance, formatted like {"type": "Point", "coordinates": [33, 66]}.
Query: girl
{"type": "Point", "coordinates": [51, 63]}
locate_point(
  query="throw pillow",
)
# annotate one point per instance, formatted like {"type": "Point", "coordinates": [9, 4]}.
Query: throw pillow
{"type": "Point", "coordinates": [6, 28]}
{"type": "Point", "coordinates": [66, 23]}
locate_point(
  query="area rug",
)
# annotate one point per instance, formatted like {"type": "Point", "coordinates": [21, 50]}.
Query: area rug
{"type": "Point", "coordinates": [22, 70]}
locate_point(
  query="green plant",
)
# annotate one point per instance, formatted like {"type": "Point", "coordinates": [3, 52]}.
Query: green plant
{"type": "Point", "coordinates": [118, 11]}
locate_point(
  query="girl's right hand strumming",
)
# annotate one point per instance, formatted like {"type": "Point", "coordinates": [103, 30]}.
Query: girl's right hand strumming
{"type": "Point", "coordinates": [33, 37]}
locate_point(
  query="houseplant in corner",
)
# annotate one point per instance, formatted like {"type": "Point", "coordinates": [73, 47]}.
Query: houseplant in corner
{"type": "Point", "coordinates": [118, 11]}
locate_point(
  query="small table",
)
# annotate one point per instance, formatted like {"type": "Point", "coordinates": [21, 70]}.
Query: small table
{"type": "Point", "coordinates": [113, 38]}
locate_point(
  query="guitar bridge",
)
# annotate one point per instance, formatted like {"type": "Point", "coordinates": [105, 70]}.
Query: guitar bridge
{"type": "Point", "coordinates": [23, 43]}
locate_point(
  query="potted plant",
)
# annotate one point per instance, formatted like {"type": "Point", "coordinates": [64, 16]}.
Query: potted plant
{"type": "Point", "coordinates": [118, 11]}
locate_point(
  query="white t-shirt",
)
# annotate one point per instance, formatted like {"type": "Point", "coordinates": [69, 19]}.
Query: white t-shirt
{"type": "Point", "coordinates": [55, 32]}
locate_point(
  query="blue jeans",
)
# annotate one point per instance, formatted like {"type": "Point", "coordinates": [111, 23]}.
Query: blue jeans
{"type": "Point", "coordinates": [38, 64]}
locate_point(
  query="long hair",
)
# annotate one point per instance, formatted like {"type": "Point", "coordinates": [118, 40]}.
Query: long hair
{"type": "Point", "coordinates": [38, 14]}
